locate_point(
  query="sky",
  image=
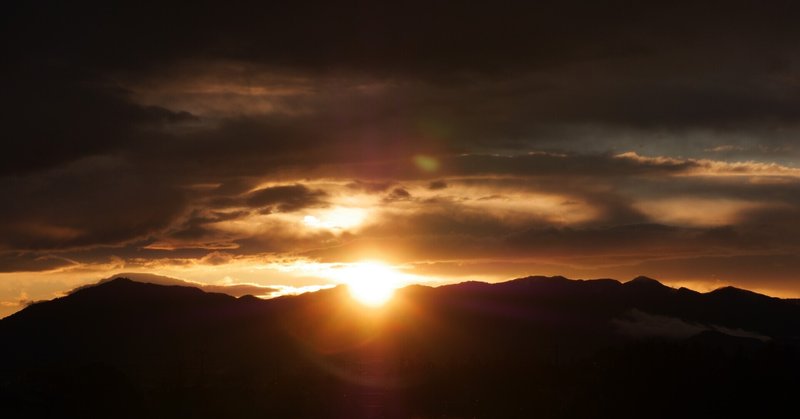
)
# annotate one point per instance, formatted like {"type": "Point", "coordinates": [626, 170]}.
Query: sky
{"type": "Point", "coordinates": [282, 144]}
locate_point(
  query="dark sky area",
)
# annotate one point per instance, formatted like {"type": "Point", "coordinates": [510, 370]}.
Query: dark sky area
{"type": "Point", "coordinates": [281, 143]}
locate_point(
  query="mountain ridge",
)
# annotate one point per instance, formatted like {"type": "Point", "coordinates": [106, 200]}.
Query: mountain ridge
{"type": "Point", "coordinates": [547, 346]}
{"type": "Point", "coordinates": [647, 289]}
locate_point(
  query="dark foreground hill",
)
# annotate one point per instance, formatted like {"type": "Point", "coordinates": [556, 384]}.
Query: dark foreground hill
{"type": "Point", "coordinates": [533, 347]}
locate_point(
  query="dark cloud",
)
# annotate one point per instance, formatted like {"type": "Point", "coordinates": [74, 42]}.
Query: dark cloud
{"type": "Point", "coordinates": [32, 262]}
{"type": "Point", "coordinates": [198, 231]}
{"type": "Point", "coordinates": [643, 240]}
{"type": "Point", "coordinates": [94, 203]}
{"type": "Point", "coordinates": [55, 114]}
{"type": "Point", "coordinates": [397, 194]}
{"type": "Point", "coordinates": [437, 185]}
{"type": "Point", "coordinates": [286, 198]}
{"type": "Point", "coordinates": [512, 67]}
{"type": "Point", "coordinates": [377, 36]}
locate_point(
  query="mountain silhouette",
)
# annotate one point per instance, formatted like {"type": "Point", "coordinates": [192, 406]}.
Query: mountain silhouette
{"type": "Point", "coordinates": [530, 347]}
{"type": "Point", "coordinates": [236, 290]}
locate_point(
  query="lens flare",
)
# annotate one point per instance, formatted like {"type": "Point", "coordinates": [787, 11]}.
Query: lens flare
{"type": "Point", "coordinates": [426, 163]}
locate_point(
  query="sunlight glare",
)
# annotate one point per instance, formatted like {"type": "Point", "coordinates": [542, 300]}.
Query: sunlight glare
{"type": "Point", "coordinates": [371, 283]}
{"type": "Point", "coordinates": [340, 218]}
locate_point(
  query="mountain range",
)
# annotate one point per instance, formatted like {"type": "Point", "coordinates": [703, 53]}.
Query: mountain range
{"type": "Point", "coordinates": [532, 347]}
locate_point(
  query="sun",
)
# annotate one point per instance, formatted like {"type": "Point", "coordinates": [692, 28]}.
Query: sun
{"type": "Point", "coordinates": [371, 283]}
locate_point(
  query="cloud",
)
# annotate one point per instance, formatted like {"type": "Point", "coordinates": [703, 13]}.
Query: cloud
{"type": "Point", "coordinates": [473, 89]}
{"type": "Point", "coordinates": [28, 262]}
{"type": "Point", "coordinates": [397, 194]}
{"type": "Point", "coordinates": [286, 198]}
{"type": "Point", "coordinates": [616, 139]}
{"type": "Point", "coordinates": [536, 206]}
{"type": "Point", "coordinates": [91, 203]}
{"type": "Point", "coordinates": [715, 167]}
{"type": "Point", "coordinates": [217, 258]}
{"type": "Point", "coordinates": [235, 290]}
{"type": "Point", "coordinates": [644, 325]}
{"type": "Point", "coordinates": [58, 115]}
{"type": "Point", "coordinates": [371, 187]}
{"type": "Point", "coordinates": [437, 185]}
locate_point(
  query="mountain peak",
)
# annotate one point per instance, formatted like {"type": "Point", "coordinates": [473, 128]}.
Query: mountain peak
{"type": "Point", "coordinates": [645, 281]}
{"type": "Point", "coordinates": [730, 291]}
{"type": "Point", "coordinates": [120, 280]}
{"type": "Point", "coordinates": [542, 279]}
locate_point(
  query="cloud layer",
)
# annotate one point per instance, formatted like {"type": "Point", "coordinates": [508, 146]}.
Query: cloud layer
{"type": "Point", "coordinates": [485, 140]}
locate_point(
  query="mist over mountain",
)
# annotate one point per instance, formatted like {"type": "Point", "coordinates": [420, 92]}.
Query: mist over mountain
{"type": "Point", "coordinates": [235, 290]}
{"type": "Point", "coordinates": [531, 347]}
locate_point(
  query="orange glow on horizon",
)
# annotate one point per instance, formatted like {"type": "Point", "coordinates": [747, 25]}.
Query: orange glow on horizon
{"type": "Point", "coordinates": [371, 283]}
